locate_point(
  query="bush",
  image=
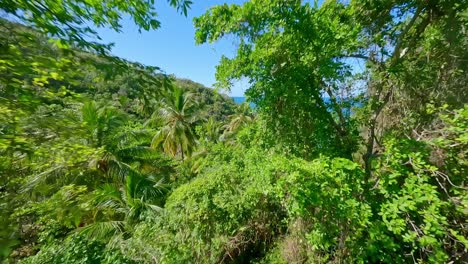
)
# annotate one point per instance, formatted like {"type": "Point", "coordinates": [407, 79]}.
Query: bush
{"type": "Point", "coordinates": [230, 212]}
{"type": "Point", "coordinates": [77, 249]}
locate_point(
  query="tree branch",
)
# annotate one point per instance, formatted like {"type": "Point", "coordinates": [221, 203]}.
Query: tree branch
{"type": "Point", "coordinates": [396, 52]}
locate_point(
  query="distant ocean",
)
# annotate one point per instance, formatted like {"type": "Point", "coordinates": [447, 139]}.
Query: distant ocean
{"type": "Point", "coordinates": [241, 99]}
{"type": "Point", "coordinates": [238, 100]}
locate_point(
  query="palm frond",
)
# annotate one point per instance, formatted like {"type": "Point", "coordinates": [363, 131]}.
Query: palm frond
{"type": "Point", "coordinates": [137, 153]}
{"type": "Point", "coordinates": [90, 116]}
{"type": "Point", "coordinates": [40, 178]}
{"type": "Point", "coordinates": [154, 208]}
{"type": "Point", "coordinates": [129, 136]}
{"type": "Point", "coordinates": [108, 196]}
{"type": "Point", "coordinates": [157, 139]}
{"type": "Point", "coordinates": [103, 230]}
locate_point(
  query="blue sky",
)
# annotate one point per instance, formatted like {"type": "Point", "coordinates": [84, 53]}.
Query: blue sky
{"type": "Point", "coordinates": [172, 47]}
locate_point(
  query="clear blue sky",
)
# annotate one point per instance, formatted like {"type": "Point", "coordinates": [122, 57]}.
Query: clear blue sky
{"type": "Point", "coordinates": [172, 47]}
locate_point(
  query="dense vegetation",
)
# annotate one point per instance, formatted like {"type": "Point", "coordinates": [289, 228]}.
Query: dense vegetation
{"type": "Point", "coordinates": [355, 151]}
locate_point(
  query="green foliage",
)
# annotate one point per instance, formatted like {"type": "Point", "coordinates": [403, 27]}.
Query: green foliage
{"type": "Point", "coordinates": [78, 249]}
{"type": "Point", "coordinates": [243, 117]}
{"type": "Point", "coordinates": [67, 207]}
{"type": "Point", "coordinates": [417, 206]}
{"type": "Point", "coordinates": [224, 214]}
{"type": "Point", "coordinates": [327, 195]}
{"type": "Point", "coordinates": [214, 104]}
{"type": "Point", "coordinates": [108, 161]}
{"type": "Point", "coordinates": [90, 138]}
{"type": "Point", "coordinates": [289, 52]}
{"type": "Point", "coordinates": [178, 114]}
{"type": "Point", "coordinates": [433, 53]}
{"type": "Point", "coordinates": [70, 20]}
{"type": "Point", "coordinates": [317, 211]}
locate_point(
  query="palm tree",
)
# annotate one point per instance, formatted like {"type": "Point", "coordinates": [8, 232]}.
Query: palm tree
{"type": "Point", "coordinates": [210, 133]}
{"type": "Point", "coordinates": [242, 117]}
{"type": "Point", "coordinates": [123, 173]}
{"type": "Point", "coordinates": [212, 130]}
{"type": "Point", "coordinates": [179, 114]}
{"type": "Point", "coordinates": [101, 122]}
{"type": "Point", "coordinates": [119, 206]}
{"type": "Point", "coordinates": [92, 144]}
{"type": "Point", "coordinates": [134, 185]}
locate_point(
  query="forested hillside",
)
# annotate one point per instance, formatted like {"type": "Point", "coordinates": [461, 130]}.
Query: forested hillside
{"type": "Point", "coordinates": [355, 152]}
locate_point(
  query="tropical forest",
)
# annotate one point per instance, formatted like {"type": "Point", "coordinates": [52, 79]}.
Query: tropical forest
{"type": "Point", "coordinates": [351, 145]}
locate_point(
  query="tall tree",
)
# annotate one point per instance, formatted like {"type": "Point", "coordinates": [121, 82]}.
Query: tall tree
{"type": "Point", "coordinates": [289, 53]}
{"type": "Point", "coordinates": [302, 59]}
{"type": "Point", "coordinates": [414, 51]}
{"type": "Point", "coordinates": [179, 113]}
